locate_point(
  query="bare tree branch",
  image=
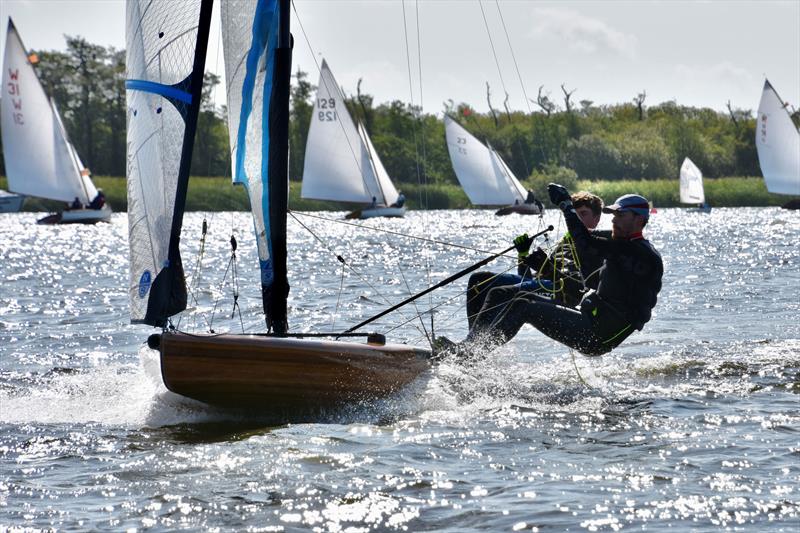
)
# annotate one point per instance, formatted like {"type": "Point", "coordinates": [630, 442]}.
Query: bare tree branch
{"type": "Point", "coordinates": [491, 109]}
{"type": "Point", "coordinates": [639, 101]}
{"type": "Point", "coordinates": [567, 95]}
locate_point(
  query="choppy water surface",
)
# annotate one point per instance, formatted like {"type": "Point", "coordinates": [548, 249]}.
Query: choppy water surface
{"type": "Point", "coordinates": [691, 424]}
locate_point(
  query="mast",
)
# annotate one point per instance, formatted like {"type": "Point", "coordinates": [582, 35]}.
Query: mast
{"type": "Point", "coordinates": [274, 297]}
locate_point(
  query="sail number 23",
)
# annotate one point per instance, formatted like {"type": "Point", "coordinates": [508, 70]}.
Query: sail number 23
{"type": "Point", "coordinates": [327, 109]}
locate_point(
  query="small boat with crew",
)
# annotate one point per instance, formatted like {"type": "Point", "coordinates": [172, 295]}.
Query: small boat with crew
{"type": "Point", "coordinates": [40, 160]}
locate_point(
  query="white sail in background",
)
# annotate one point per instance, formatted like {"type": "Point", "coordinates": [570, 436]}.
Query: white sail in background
{"type": "Point", "coordinates": [161, 38]}
{"type": "Point", "coordinates": [341, 164]}
{"type": "Point", "coordinates": [483, 175]}
{"type": "Point", "coordinates": [513, 183]}
{"type": "Point", "coordinates": [387, 188]}
{"type": "Point", "coordinates": [38, 156]}
{"type": "Point", "coordinates": [691, 182]}
{"type": "Point", "coordinates": [778, 144]}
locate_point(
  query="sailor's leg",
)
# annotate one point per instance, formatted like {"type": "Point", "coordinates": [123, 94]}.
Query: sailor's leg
{"type": "Point", "coordinates": [478, 288]}
{"type": "Point", "coordinates": [563, 324]}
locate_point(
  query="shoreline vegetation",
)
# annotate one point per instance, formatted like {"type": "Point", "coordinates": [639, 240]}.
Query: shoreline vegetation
{"type": "Point", "coordinates": [218, 194]}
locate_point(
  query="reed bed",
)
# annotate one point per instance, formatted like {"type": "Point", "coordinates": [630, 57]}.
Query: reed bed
{"type": "Point", "coordinates": [217, 194]}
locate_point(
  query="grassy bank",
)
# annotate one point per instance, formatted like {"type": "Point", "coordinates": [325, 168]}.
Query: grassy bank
{"type": "Point", "coordinates": [217, 194]}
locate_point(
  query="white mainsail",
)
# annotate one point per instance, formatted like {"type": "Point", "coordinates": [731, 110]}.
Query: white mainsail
{"type": "Point", "coordinates": [483, 174]}
{"type": "Point", "coordinates": [162, 89]}
{"type": "Point", "coordinates": [340, 162]}
{"type": "Point", "coordinates": [691, 183]}
{"type": "Point", "coordinates": [39, 158]}
{"type": "Point", "coordinates": [778, 144]}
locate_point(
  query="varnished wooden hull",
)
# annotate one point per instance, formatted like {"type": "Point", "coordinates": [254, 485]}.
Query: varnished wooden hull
{"type": "Point", "coordinates": [284, 374]}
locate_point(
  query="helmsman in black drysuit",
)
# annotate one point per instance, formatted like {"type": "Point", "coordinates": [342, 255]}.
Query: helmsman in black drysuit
{"type": "Point", "coordinates": [629, 282]}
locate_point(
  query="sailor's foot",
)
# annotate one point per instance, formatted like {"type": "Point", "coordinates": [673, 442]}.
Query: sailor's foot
{"type": "Point", "coordinates": [444, 347]}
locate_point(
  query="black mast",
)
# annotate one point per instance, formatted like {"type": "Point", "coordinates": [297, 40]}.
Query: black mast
{"type": "Point", "coordinates": [274, 297]}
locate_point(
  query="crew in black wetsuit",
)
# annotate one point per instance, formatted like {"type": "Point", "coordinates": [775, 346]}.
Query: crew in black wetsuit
{"type": "Point", "coordinates": [564, 274]}
{"type": "Point", "coordinates": [630, 280]}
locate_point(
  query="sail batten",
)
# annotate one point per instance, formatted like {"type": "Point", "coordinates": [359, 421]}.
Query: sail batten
{"type": "Point", "coordinates": [778, 144]}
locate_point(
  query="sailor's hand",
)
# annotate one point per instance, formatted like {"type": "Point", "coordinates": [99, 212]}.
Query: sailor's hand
{"type": "Point", "coordinates": [558, 194]}
{"type": "Point", "coordinates": [536, 259]}
{"type": "Point", "coordinates": [523, 244]}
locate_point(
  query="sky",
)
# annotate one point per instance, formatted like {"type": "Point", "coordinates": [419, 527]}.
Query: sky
{"type": "Point", "coordinates": [699, 53]}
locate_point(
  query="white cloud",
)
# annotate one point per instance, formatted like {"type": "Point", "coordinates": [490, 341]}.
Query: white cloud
{"type": "Point", "coordinates": [582, 33]}
{"type": "Point", "coordinates": [724, 72]}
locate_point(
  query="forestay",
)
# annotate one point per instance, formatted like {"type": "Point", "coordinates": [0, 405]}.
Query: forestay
{"type": "Point", "coordinates": [482, 173]}
{"type": "Point", "coordinates": [38, 156]}
{"type": "Point", "coordinates": [778, 144]}
{"type": "Point", "coordinates": [691, 181]}
{"type": "Point", "coordinates": [250, 33]}
{"type": "Point", "coordinates": [340, 162]}
{"type": "Point", "coordinates": [166, 47]}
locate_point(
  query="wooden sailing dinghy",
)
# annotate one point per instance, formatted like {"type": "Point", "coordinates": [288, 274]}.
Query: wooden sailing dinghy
{"type": "Point", "coordinates": [276, 371]}
{"type": "Point", "coordinates": [40, 159]}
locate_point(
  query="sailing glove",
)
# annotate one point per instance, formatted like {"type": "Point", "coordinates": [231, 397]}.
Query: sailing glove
{"type": "Point", "coordinates": [559, 195]}
{"type": "Point", "coordinates": [523, 244]}
{"type": "Point", "coordinates": [536, 259]}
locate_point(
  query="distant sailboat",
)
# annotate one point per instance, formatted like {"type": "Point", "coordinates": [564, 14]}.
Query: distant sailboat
{"type": "Point", "coordinates": [341, 163]}
{"type": "Point", "coordinates": [40, 160]}
{"type": "Point", "coordinates": [10, 202]}
{"type": "Point", "coordinates": [691, 185]}
{"type": "Point", "coordinates": [484, 175]}
{"type": "Point", "coordinates": [778, 145]}
{"type": "Point", "coordinates": [276, 372]}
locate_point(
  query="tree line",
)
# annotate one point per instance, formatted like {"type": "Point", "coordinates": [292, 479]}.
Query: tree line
{"type": "Point", "coordinates": [559, 139]}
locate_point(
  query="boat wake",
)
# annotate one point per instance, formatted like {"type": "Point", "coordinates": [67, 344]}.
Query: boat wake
{"type": "Point", "coordinates": [130, 394]}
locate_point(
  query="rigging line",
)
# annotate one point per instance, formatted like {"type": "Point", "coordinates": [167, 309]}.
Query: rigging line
{"type": "Point", "coordinates": [422, 178]}
{"type": "Point", "coordinates": [491, 43]}
{"type": "Point", "coordinates": [338, 299]}
{"type": "Point", "coordinates": [513, 57]}
{"type": "Point", "coordinates": [390, 232]}
{"type": "Point", "coordinates": [424, 145]}
{"type": "Point", "coordinates": [502, 81]}
{"type": "Point", "coordinates": [411, 95]}
{"type": "Point", "coordinates": [346, 264]}
{"type": "Point", "coordinates": [419, 315]}
{"type": "Point", "coordinates": [198, 270]}
{"type": "Point", "coordinates": [337, 91]}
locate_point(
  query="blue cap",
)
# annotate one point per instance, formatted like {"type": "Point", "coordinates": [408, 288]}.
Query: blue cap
{"type": "Point", "coordinates": [630, 202]}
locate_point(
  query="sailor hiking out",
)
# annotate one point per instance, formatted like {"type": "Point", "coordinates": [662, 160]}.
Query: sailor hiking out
{"type": "Point", "coordinates": [628, 285]}
{"type": "Point", "coordinates": [563, 274]}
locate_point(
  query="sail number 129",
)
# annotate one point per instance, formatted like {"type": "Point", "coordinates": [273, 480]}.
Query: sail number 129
{"type": "Point", "coordinates": [327, 109]}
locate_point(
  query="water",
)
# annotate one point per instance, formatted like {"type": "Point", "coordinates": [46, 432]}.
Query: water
{"type": "Point", "coordinates": [691, 424]}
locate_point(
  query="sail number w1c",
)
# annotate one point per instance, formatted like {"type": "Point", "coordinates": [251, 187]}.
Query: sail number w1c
{"type": "Point", "coordinates": [327, 107]}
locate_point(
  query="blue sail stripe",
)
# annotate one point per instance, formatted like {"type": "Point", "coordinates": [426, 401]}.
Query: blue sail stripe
{"type": "Point", "coordinates": [264, 37]}
{"type": "Point", "coordinates": [168, 91]}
